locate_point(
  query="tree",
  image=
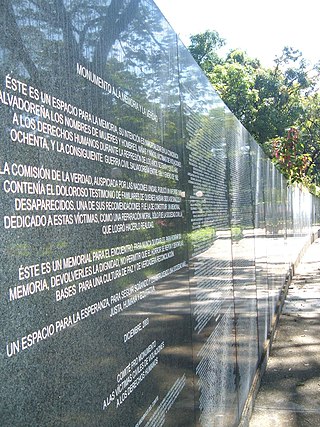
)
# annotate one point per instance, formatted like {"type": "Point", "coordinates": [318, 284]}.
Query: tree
{"type": "Point", "coordinates": [297, 154]}
{"type": "Point", "coordinates": [270, 102]}
{"type": "Point", "coordinates": [203, 48]}
{"type": "Point", "coordinates": [234, 80]}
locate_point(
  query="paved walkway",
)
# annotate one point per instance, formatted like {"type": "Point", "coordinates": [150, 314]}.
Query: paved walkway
{"type": "Point", "coordinates": [290, 389]}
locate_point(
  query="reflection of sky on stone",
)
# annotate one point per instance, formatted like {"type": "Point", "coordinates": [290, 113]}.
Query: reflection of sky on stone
{"type": "Point", "coordinates": [206, 312]}
{"type": "Point", "coordinates": [212, 282]}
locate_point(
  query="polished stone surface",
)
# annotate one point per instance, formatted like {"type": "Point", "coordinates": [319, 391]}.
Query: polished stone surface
{"type": "Point", "coordinates": [145, 237]}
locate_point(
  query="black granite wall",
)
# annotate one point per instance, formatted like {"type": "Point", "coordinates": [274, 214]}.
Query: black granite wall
{"type": "Point", "coordinates": [145, 237]}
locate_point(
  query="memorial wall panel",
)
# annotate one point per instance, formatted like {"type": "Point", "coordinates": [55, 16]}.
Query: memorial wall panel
{"type": "Point", "coordinates": [95, 297]}
{"type": "Point", "coordinates": [209, 243]}
{"type": "Point", "coordinates": [243, 255]}
{"type": "Point", "coordinates": [142, 228]}
{"type": "Point", "coordinates": [258, 167]}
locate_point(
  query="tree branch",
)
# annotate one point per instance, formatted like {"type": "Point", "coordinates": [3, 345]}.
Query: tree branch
{"type": "Point", "coordinates": [12, 40]}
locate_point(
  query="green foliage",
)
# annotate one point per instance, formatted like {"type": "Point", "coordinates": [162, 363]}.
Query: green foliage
{"type": "Point", "coordinates": [203, 48]}
{"type": "Point", "coordinates": [269, 101]}
{"type": "Point", "coordinates": [234, 80]}
{"type": "Point", "coordinates": [236, 232]}
{"type": "Point", "coordinates": [289, 155]}
{"type": "Point", "coordinates": [205, 234]}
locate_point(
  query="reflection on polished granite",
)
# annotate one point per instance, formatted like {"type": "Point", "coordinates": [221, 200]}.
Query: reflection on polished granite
{"type": "Point", "coordinates": [145, 236]}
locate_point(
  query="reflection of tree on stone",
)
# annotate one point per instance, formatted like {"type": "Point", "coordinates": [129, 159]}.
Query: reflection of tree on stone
{"type": "Point", "coordinates": [53, 23]}
{"type": "Point", "coordinates": [90, 34]}
{"type": "Point", "coordinates": [10, 38]}
{"type": "Point", "coordinates": [118, 42]}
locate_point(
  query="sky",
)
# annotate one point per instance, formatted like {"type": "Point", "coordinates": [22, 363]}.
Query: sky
{"type": "Point", "coordinates": [262, 28]}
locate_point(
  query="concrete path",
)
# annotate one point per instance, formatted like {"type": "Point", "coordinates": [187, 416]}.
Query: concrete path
{"type": "Point", "coordinates": [290, 389]}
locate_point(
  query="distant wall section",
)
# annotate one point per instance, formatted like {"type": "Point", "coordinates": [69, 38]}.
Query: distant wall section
{"type": "Point", "coordinates": [145, 237]}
